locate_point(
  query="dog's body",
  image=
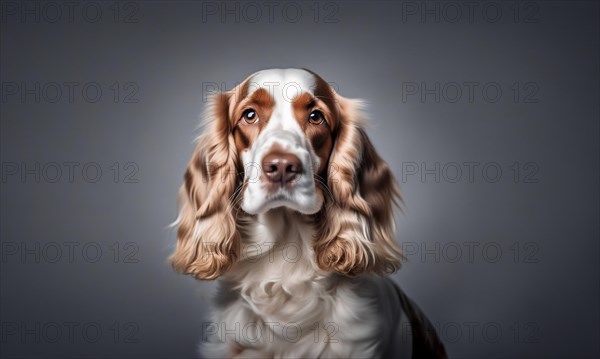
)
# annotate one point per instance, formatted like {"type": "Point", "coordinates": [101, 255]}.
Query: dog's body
{"type": "Point", "coordinates": [310, 313]}
{"type": "Point", "coordinates": [287, 200]}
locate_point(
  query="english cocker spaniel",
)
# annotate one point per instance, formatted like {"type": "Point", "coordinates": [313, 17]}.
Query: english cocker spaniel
{"type": "Point", "coordinates": [287, 201]}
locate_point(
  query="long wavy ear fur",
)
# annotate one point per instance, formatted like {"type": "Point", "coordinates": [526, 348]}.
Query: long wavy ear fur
{"type": "Point", "coordinates": [357, 229]}
{"type": "Point", "coordinates": [207, 238]}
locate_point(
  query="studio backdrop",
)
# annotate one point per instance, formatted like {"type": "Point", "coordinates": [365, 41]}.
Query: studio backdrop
{"type": "Point", "coordinates": [487, 112]}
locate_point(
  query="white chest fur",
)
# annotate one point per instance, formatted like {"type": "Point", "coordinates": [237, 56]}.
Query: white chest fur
{"type": "Point", "coordinates": [275, 302]}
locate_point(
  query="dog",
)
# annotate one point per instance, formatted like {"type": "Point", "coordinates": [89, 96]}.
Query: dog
{"type": "Point", "coordinates": [287, 202]}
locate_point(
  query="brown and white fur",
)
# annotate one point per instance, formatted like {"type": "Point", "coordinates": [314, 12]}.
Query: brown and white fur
{"type": "Point", "coordinates": [286, 199]}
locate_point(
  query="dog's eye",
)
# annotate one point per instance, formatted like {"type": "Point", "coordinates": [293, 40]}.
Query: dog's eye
{"type": "Point", "coordinates": [316, 117]}
{"type": "Point", "coordinates": [250, 116]}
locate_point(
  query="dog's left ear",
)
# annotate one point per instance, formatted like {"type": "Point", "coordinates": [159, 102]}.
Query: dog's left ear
{"type": "Point", "coordinates": [357, 231]}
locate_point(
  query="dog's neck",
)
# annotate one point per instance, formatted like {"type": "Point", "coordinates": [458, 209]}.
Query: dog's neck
{"type": "Point", "coordinates": [276, 264]}
{"type": "Point", "coordinates": [277, 244]}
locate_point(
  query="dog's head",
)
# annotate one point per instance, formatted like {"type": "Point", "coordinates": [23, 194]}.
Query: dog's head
{"type": "Point", "coordinates": [285, 138]}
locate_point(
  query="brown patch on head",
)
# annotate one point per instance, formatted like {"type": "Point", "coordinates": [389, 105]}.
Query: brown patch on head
{"type": "Point", "coordinates": [246, 133]}
{"type": "Point", "coordinates": [325, 93]}
{"type": "Point", "coordinates": [319, 135]}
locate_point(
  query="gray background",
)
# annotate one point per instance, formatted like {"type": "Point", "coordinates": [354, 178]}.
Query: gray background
{"type": "Point", "coordinates": [528, 288]}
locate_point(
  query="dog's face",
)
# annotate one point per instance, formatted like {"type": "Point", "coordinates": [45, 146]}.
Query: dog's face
{"type": "Point", "coordinates": [283, 123]}
{"type": "Point", "coordinates": [285, 138]}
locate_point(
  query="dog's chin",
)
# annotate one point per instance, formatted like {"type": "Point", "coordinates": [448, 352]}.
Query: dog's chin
{"type": "Point", "coordinates": [310, 205]}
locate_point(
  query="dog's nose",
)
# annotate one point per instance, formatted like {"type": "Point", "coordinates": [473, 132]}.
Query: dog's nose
{"type": "Point", "coordinates": [280, 167]}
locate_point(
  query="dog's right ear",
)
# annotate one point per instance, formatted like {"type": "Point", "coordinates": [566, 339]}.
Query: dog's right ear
{"type": "Point", "coordinates": [207, 237]}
